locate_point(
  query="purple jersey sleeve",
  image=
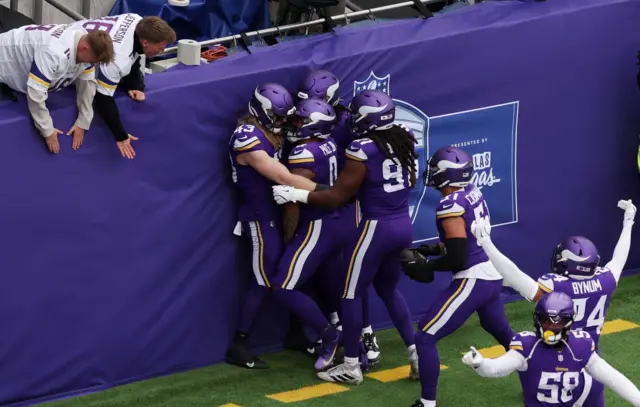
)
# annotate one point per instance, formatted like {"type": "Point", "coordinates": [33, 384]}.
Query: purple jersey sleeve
{"type": "Point", "coordinates": [361, 150]}
{"type": "Point", "coordinates": [582, 344]}
{"type": "Point", "coordinates": [248, 138]}
{"type": "Point", "coordinates": [302, 156]}
{"type": "Point", "coordinates": [451, 206]}
{"type": "Point", "coordinates": [524, 343]}
{"type": "Point", "coordinates": [548, 282]}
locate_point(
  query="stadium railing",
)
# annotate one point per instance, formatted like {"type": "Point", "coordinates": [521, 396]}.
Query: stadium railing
{"type": "Point", "coordinates": [243, 39]}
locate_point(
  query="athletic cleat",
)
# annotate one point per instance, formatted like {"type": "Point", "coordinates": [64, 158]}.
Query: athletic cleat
{"type": "Point", "coordinates": [418, 403]}
{"type": "Point", "coordinates": [328, 353]}
{"type": "Point", "coordinates": [342, 374]}
{"type": "Point", "coordinates": [315, 349]}
{"type": "Point", "coordinates": [373, 350]}
{"type": "Point", "coordinates": [297, 340]}
{"type": "Point", "coordinates": [238, 355]}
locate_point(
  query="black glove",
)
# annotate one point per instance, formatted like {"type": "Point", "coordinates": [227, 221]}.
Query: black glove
{"type": "Point", "coordinates": [430, 250]}
{"type": "Point", "coordinates": [415, 266]}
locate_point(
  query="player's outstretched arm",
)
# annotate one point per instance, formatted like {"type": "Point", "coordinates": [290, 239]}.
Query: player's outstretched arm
{"type": "Point", "coordinates": [133, 83]}
{"type": "Point", "coordinates": [339, 194]}
{"type": "Point", "coordinates": [85, 92]}
{"type": "Point", "coordinates": [498, 367]}
{"type": "Point", "coordinates": [621, 252]}
{"type": "Point", "coordinates": [515, 277]}
{"type": "Point", "coordinates": [42, 74]}
{"type": "Point", "coordinates": [606, 374]}
{"type": "Point", "coordinates": [108, 78]}
{"type": "Point", "coordinates": [37, 102]}
{"type": "Point", "coordinates": [274, 170]}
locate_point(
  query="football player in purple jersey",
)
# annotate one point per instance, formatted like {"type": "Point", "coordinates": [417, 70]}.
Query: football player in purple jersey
{"type": "Point", "coordinates": [552, 360]}
{"type": "Point", "coordinates": [380, 170]}
{"type": "Point", "coordinates": [476, 284]}
{"type": "Point", "coordinates": [575, 272]}
{"type": "Point", "coordinates": [325, 85]}
{"type": "Point", "coordinates": [254, 150]}
{"type": "Point", "coordinates": [314, 237]}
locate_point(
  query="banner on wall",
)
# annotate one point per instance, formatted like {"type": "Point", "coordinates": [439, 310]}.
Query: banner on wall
{"type": "Point", "coordinates": [488, 134]}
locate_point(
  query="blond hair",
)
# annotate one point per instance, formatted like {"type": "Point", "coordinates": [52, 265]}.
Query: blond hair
{"type": "Point", "coordinates": [155, 30]}
{"type": "Point", "coordinates": [101, 45]}
{"type": "Point", "coordinates": [275, 141]}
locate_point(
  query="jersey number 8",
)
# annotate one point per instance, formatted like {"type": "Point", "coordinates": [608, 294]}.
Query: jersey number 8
{"type": "Point", "coordinates": [557, 387]}
{"type": "Point", "coordinates": [100, 24]}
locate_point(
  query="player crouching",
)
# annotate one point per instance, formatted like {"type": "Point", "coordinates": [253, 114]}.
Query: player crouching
{"type": "Point", "coordinates": [551, 360]}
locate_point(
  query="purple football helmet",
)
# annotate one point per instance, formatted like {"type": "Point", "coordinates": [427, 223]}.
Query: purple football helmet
{"type": "Point", "coordinates": [553, 317]}
{"type": "Point", "coordinates": [372, 110]}
{"type": "Point", "coordinates": [312, 118]}
{"type": "Point", "coordinates": [322, 85]}
{"type": "Point", "coordinates": [271, 103]}
{"type": "Point", "coordinates": [576, 257]}
{"type": "Point", "coordinates": [449, 166]}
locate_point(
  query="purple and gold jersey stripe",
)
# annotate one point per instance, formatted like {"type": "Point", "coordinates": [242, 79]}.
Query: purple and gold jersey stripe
{"type": "Point", "coordinates": [104, 82]}
{"type": "Point", "coordinates": [352, 157]}
{"type": "Point", "coordinates": [90, 69]}
{"type": "Point", "coordinates": [38, 76]}
{"type": "Point", "coordinates": [446, 305]}
{"type": "Point", "coordinates": [300, 250]}
{"type": "Point", "coordinates": [301, 160]}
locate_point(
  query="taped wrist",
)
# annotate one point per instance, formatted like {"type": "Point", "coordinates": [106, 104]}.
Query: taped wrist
{"type": "Point", "coordinates": [455, 256]}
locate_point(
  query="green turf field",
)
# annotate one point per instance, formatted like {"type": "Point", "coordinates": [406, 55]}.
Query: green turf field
{"type": "Point", "coordinates": [459, 386]}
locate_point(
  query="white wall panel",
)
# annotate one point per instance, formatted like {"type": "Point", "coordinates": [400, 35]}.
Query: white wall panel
{"type": "Point", "coordinates": [51, 15]}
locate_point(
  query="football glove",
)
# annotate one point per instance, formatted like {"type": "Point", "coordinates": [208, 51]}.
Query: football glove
{"type": "Point", "coordinates": [283, 194]}
{"type": "Point", "coordinates": [629, 210]}
{"type": "Point", "coordinates": [415, 266]}
{"type": "Point", "coordinates": [473, 358]}
{"type": "Point", "coordinates": [481, 229]}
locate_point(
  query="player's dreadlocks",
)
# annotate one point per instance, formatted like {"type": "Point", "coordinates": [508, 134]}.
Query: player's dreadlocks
{"type": "Point", "coordinates": [398, 143]}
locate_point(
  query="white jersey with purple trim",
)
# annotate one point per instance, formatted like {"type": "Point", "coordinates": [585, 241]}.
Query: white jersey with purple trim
{"type": "Point", "coordinates": [42, 57]}
{"type": "Point", "coordinates": [121, 28]}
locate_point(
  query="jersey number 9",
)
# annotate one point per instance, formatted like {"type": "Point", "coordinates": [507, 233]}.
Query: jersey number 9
{"type": "Point", "coordinates": [393, 172]}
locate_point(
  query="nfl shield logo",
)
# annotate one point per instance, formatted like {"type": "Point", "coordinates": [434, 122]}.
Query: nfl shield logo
{"type": "Point", "coordinates": [373, 82]}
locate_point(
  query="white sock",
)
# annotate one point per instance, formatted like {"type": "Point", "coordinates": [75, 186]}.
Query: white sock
{"type": "Point", "coordinates": [412, 352]}
{"type": "Point", "coordinates": [351, 362]}
{"type": "Point", "coordinates": [367, 330]}
{"type": "Point", "coordinates": [428, 403]}
{"type": "Point", "coordinates": [333, 318]}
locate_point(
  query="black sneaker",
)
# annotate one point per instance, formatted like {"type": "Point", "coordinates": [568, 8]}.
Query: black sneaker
{"type": "Point", "coordinates": [239, 355]}
{"type": "Point", "coordinates": [371, 346]}
{"type": "Point", "coordinates": [418, 403]}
